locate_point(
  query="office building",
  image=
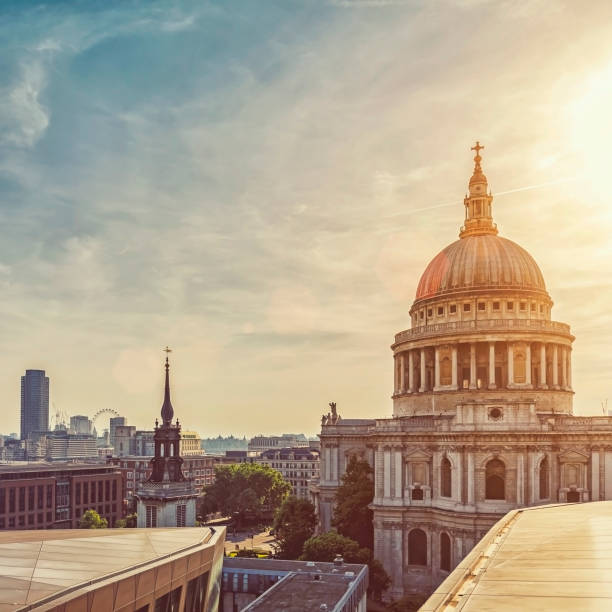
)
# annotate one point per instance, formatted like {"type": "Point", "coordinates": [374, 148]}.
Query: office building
{"type": "Point", "coordinates": [39, 496]}
{"type": "Point", "coordinates": [111, 570]}
{"type": "Point", "coordinates": [297, 465]}
{"type": "Point", "coordinates": [34, 402]}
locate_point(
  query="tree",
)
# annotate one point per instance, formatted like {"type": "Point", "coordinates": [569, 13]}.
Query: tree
{"type": "Point", "coordinates": [326, 546]}
{"type": "Point", "coordinates": [92, 520]}
{"type": "Point", "coordinates": [352, 516]}
{"type": "Point", "coordinates": [129, 521]}
{"type": "Point", "coordinates": [294, 523]}
{"type": "Point", "coordinates": [246, 491]}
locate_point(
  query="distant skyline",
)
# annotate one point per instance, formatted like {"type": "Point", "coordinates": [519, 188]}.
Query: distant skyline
{"type": "Point", "coordinates": [261, 185]}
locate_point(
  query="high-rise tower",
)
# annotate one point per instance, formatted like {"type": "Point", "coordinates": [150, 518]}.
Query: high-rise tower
{"type": "Point", "coordinates": [34, 402]}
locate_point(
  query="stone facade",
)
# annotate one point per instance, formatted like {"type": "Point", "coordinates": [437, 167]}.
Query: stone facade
{"type": "Point", "coordinates": [482, 410]}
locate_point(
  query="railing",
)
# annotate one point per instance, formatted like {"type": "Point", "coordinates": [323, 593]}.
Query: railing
{"type": "Point", "coordinates": [438, 329]}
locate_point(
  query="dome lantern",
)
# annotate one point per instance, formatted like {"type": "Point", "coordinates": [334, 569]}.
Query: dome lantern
{"type": "Point", "coordinates": [478, 204]}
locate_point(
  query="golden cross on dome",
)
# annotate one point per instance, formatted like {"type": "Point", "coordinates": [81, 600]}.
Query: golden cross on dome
{"type": "Point", "coordinates": [167, 351]}
{"type": "Point", "coordinates": [477, 147]}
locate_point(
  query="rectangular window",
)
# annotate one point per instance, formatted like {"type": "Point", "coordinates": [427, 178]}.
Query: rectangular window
{"type": "Point", "coordinates": [482, 306]}
{"type": "Point", "coordinates": [523, 306]}
{"type": "Point", "coordinates": [30, 519]}
{"type": "Point", "coordinates": [430, 312]}
{"type": "Point", "coordinates": [85, 492]}
{"type": "Point", "coordinates": [107, 490]}
{"type": "Point", "coordinates": [541, 308]}
{"type": "Point", "coordinates": [2, 500]}
{"type": "Point", "coordinates": [495, 306]}
{"type": "Point", "coordinates": [453, 308]}
{"type": "Point", "coordinates": [180, 515]}
{"type": "Point", "coordinates": [41, 496]}
{"type": "Point", "coordinates": [114, 490]}
{"type": "Point", "coordinates": [100, 490]}
{"type": "Point", "coordinates": [21, 499]}
{"type": "Point", "coordinates": [422, 314]}
{"type": "Point", "coordinates": [440, 310]}
{"type": "Point", "coordinates": [510, 305]}
{"type": "Point", "coordinates": [31, 497]}
{"type": "Point", "coordinates": [533, 307]}
{"type": "Point", "coordinates": [467, 307]}
{"type": "Point", "coordinates": [151, 520]}
{"type": "Point", "coordinates": [78, 493]}
{"type": "Point", "coordinates": [49, 503]}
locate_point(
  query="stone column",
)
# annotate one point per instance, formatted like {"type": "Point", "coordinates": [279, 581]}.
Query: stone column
{"type": "Point", "coordinates": [520, 480]}
{"type": "Point", "coordinates": [510, 364]}
{"type": "Point", "coordinates": [395, 376]}
{"type": "Point", "coordinates": [595, 475]}
{"type": "Point", "coordinates": [470, 477]}
{"type": "Point", "coordinates": [472, 365]}
{"type": "Point", "coordinates": [569, 368]}
{"type": "Point", "coordinates": [528, 364]}
{"type": "Point", "coordinates": [387, 473]}
{"type": "Point", "coordinates": [492, 384]}
{"type": "Point", "coordinates": [436, 368]}
{"type": "Point", "coordinates": [555, 366]}
{"type": "Point", "coordinates": [564, 367]}
{"type": "Point", "coordinates": [402, 380]}
{"type": "Point", "coordinates": [423, 372]}
{"type": "Point", "coordinates": [454, 368]}
{"type": "Point", "coordinates": [399, 489]}
{"type": "Point", "coordinates": [410, 371]}
{"type": "Point", "coordinates": [543, 384]}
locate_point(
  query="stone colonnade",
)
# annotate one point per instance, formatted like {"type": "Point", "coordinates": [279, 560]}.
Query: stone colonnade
{"type": "Point", "coordinates": [411, 367]}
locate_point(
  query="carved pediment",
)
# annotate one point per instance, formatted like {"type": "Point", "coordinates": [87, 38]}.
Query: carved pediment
{"type": "Point", "coordinates": [417, 455]}
{"type": "Point", "coordinates": [573, 456]}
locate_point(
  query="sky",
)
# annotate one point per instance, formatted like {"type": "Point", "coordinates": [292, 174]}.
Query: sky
{"type": "Point", "coordinates": [259, 185]}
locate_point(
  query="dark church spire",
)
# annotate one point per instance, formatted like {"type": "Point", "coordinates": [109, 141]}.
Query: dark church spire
{"type": "Point", "coordinates": [167, 412]}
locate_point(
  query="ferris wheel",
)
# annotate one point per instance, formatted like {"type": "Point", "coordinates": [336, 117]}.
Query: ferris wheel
{"type": "Point", "coordinates": [105, 411]}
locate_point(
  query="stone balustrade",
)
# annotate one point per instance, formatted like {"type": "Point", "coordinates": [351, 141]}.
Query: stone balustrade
{"type": "Point", "coordinates": [483, 325]}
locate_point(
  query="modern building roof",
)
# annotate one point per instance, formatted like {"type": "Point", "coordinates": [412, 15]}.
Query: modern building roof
{"type": "Point", "coordinates": [37, 567]}
{"type": "Point", "coordinates": [553, 557]}
{"type": "Point", "coordinates": [305, 586]}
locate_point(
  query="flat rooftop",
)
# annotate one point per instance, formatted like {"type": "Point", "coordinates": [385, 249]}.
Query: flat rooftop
{"type": "Point", "coordinates": [304, 593]}
{"type": "Point", "coordinates": [555, 557]}
{"type": "Point", "coordinates": [38, 566]}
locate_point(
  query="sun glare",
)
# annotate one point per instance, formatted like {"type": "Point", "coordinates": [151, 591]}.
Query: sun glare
{"type": "Point", "coordinates": [591, 130]}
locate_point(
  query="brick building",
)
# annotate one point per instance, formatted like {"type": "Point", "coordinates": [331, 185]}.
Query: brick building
{"type": "Point", "coordinates": [53, 497]}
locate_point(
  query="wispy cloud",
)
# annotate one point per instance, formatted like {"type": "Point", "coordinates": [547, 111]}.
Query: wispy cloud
{"type": "Point", "coordinates": [262, 187]}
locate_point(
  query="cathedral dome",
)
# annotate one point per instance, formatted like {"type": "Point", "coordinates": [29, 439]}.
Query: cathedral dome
{"type": "Point", "coordinates": [480, 262]}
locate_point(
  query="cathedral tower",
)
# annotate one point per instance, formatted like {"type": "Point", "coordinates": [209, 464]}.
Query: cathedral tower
{"type": "Point", "coordinates": [167, 498]}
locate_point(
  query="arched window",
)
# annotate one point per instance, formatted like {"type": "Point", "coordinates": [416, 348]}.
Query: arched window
{"type": "Point", "coordinates": [445, 552]}
{"type": "Point", "coordinates": [446, 478]}
{"type": "Point", "coordinates": [495, 480]}
{"type": "Point", "coordinates": [544, 479]}
{"type": "Point", "coordinates": [417, 547]}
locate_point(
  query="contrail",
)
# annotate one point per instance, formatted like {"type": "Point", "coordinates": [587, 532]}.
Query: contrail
{"type": "Point", "coordinates": [495, 195]}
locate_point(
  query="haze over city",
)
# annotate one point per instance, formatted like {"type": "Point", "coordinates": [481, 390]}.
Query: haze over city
{"type": "Point", "coordinates": [261, 185]}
